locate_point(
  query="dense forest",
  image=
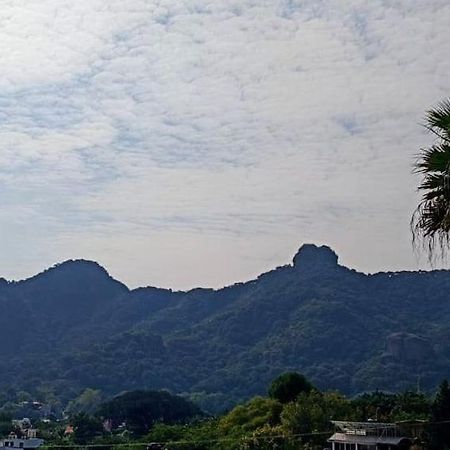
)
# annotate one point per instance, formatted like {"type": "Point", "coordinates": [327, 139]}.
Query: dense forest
{"type": "Point", "coordinates": [73, 328]}
{"type": "Point", "coordinates": [293, 414]}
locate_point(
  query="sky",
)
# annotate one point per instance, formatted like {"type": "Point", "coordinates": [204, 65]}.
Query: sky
{"type": "Point", "coordinates": [185, 143]}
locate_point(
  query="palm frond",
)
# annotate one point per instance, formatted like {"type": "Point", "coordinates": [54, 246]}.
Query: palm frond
{"type": "Point", "coordinates": [430, 222]}
{"type": "Point", "coordinates": [438, 120]}
{"type": "Point", "coordinates": [433, 159]}
{"type": "Point", "coordinates": [436, 182]}
{"type": "Point", "coordinates": [430, 225]}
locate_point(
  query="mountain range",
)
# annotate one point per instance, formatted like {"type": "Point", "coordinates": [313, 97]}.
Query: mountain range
{"type": "Point", "coordinates": [73, 326]}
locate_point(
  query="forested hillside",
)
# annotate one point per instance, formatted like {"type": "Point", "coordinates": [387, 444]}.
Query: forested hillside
{"type": "Point", "coordinates": [73, 327]}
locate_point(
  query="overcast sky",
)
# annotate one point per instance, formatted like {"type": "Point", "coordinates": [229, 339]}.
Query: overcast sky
{"type": "Point", "coordinates": [185, 143]}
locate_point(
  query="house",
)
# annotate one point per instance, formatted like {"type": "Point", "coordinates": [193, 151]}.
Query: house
{"type": "Point", "coordinates": [22, 424]}
{"type": "Point", "coordinates": [372, 436]}
{"type": "Point", "coordinates": [69, 430]}
{"type": "Point", "coordinates": [30, 441]}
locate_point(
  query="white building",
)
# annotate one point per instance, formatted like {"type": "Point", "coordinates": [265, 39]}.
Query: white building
{"type": "Point", "coordinates": [369, 436]}
{"type": "Point", "coordinates": [30, 441]}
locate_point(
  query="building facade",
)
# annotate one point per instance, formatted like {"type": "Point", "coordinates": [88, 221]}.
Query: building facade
{"type": "Point", "coordinates": [29, 442]}
{"type": "Point", "coordinates": [371, 436]}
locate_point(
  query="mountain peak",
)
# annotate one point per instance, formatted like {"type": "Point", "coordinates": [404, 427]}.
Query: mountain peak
{"type": "Point", "coordinates": [83, 264]}
{"type": "Point", "coordinates": [79, 266]}
{"type": "Point", "coordinates": [75, 270]}
{"type": "Point", "coordinates": [310, 256]}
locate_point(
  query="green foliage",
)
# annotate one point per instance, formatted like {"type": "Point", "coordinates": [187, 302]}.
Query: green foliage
{"type": "Point", "coordinates": [376, 406]}
{"type": "Point", "coordinates": [259, 424]}
{"type": "Point", "coordinates": [140, 410]}
{"type": "Point", "coordinates": [248, 417]}
{"type": "Point", "coordinates": [431, 220]}
{"type": "Point", "coordinates": [84, 330]}
{"type": "Point", "coordinates": [308, 414]}
{"type": "Point", "coordinates": [311, 413]}
{"type": "Point", "coordinates": [52, 432]}
{"type": "Point", "coordinates": [201, 435]}
{"type": "Point", "coordinates": [268, 437]}
{"type": "Point", "coordinates": [337, 406]}
{"type": "Point", "coordinates": [86, 428]}
{"type": "Point", "coordinates": [288, 386]}
{"type": "Point", "coordinates": [411, 406]}
{"type": "Point", "coordinates": [388, 407]}
{"type": "Point", "coordinates": [441, 405]}
{"type": "Point", "coordinates": [266, 423]}
{"type": "Point", "coordinates": [5, 424]}
{"type": "Point", "coordinates": [88, 402]}
{"type": "Point", "coordinates": [439, 431]}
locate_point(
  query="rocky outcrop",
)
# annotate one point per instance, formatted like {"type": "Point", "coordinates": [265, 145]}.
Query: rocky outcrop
{"type": "Point", "coordinates": [407, 347]}
{"type": "Point", "coordinates": [311, 256]}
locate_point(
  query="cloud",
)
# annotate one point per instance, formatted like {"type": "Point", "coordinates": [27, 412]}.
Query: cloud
{"type": "Point", "coordinates": [224, 131]}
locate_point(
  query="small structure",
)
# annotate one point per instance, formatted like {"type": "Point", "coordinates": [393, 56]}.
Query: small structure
{"type": "Point", "coordinates": [369, 436]}
{"type": "Point", "coordinates": [30, 441]}
{"type": "Point", "coordinates": [22, 424]}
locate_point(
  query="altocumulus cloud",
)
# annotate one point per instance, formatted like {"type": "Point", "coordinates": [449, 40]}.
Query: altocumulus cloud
{"type": "Point", "coordinates": [185, 143]}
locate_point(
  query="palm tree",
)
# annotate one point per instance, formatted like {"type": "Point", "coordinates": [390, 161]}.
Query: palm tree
{"type": "Point", "coordinates": [430, 222]}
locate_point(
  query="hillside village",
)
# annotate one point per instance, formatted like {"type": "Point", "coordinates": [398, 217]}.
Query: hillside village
{"type": "Point", "coordinates": [293, 415]}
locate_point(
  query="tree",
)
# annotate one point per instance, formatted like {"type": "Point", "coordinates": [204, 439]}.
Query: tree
{"type": "Point", "coordinates": [5, 424]}
{"type": "Point", "coordinates": [307, 415]}
{"type": "Point", "coordinates": [411, 405]}
{"type": "Point", "coordinates": [140, 410]}
{"type": "Point", "coordinates": [88, 401]}
{"type": "Point", "coordinates": [196, 436]}
{"type": "Point", "coordinates": [288, 386]}
{"type": "Point", "coordinates": [252, 415]}
{"type": "Point", "coordinates": [86, 428]}
{"type": "Point", "coordinates": [440, 419]}
{"type": "Point", "coordinates": [377, 405]}
{"type": "Point", "coordinates": [430, 222]}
